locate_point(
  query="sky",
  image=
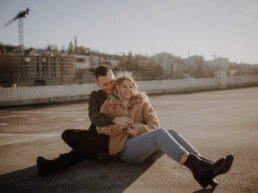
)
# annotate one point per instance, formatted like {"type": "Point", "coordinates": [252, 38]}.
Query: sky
{"type": "Point", "coordinates": [209, 28]}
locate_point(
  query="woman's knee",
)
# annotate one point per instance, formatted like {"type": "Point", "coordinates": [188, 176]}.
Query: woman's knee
{"type": "Point", "coordinates": [160, 132]}
{"type": "Point", "coordinates": [172, 132]}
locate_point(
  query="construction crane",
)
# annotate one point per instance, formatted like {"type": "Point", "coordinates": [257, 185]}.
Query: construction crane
{"type": "Point", "coordinates": [20, 16]}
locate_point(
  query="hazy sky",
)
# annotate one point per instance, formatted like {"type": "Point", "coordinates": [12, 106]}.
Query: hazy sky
{"type": "Point", "coordinates": [227, 28]}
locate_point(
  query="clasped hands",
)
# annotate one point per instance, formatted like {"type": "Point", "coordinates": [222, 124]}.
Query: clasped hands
{"type": "Point", "coordinates": [126, 124]}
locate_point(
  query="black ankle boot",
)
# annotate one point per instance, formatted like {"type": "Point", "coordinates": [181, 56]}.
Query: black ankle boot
{"type": "Point", "coordinates": [228, 163]}
{"type": "Point", "coordinates": [204, 171]}
{"type": "Point", "coordinates": [46, 167]}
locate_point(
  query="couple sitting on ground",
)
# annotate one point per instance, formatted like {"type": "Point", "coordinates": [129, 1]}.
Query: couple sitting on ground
{"type": "Point", "coordinates": [125, 125]}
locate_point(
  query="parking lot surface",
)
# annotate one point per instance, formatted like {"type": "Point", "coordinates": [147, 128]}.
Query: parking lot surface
{"type": "Point", "coordinates": [216, 123]}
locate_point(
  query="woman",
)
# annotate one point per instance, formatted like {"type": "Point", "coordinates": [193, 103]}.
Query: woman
{"type": "Point", "coordinates": [144, 137]}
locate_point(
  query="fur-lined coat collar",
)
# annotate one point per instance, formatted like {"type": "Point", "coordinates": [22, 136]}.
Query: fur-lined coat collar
{"type": "Point", "coordinates": [138, 97]}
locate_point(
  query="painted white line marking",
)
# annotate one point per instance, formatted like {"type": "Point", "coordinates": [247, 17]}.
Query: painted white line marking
{"type": "Point", "coordinates": [12, 138]}
{"type": "Point", "coordinates": [79, 119]}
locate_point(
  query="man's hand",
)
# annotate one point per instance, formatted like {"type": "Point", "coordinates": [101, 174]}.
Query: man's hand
{"type": "Point", "coordinates": [123, 122]}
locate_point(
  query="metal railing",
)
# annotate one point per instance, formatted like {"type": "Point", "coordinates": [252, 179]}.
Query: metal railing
{"type": "Point", "coordinates": [18, 79]}
{"type": "Point", "coordinates": [149, 75]}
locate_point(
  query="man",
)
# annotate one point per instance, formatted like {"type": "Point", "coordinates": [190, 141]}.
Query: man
{"type": "Point", "coordinates": [88, 143]}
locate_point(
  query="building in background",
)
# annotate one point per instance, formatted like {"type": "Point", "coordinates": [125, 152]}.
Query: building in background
{"type": "Point", "coordinates": [86, 64]}
{"type": "Point", "coordinates": [165, 61]}
{"type": "Point", "coordinates": [32, 70]}
{"type": "Point", "coordinates": [219, 63]}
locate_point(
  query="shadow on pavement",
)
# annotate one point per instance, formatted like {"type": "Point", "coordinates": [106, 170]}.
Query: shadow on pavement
{"type": "Point", "coordinates": [211, 190]}
{"type": "Point", "coordinates": [88, 176]}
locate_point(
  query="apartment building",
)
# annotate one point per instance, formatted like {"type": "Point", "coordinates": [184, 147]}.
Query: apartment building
{"type": "Point", "coordinates": [32, 70]}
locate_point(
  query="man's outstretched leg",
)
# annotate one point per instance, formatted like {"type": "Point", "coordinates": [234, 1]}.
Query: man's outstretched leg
{"type": "Point", "coordinates": [74, 137]}
{"type": "Point", "coordinates": [95, 147]}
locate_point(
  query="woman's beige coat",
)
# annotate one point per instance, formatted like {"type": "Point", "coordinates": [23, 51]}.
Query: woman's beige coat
{"type": "Point", "coordinates": [139, 109]}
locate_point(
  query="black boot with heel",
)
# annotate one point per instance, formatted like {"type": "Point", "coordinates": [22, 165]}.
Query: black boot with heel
{"type": "Point", "coordinates": [228, 163]}
{"type": "Point", "coordinates": [204, 171]}
{"type": "Point", "coordinates": [229, 160]}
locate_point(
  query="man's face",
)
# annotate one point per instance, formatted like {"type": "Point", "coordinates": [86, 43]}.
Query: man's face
{"type": "Point", "coordinates": [107, 82]}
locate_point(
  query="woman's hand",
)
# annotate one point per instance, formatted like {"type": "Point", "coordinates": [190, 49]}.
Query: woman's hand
{"type": "Point", "coordinates": [123, 122]}
{"type": "Point", "coordinates": [132, 130]}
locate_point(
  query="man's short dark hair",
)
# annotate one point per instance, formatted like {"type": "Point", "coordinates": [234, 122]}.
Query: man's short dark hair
{"type": "Point", "coordinates": [101, 71]}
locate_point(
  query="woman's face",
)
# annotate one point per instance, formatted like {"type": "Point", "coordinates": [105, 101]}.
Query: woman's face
{"type": "Point", "coordinates": [126, 90]}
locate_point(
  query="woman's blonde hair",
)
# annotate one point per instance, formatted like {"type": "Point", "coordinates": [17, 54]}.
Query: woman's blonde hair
{"type": "Point", "coordinates": [119, 81]}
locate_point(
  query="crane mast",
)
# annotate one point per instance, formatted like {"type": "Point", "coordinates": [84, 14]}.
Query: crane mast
{"type": "Point", "coordinates": [20, 16]}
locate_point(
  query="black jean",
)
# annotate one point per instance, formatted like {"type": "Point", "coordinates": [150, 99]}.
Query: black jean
{"type": "Point", "coordinates": [84, 143]}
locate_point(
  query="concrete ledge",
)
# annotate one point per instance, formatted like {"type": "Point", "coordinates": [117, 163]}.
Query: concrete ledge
{"type": "Point", "coordinates": [67, 93]}
{"type": "Point", "coordinates": [53, 100]}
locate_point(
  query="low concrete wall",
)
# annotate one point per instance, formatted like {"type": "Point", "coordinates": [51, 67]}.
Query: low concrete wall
{"type": "Point", "coordinates": [180, 85]}
{"type": "Point", "coordinates": [65, 93]}
{"type": "Point", "coordinates": [239, 81]}
{"type": "Point", "coordinates": [45, 94]}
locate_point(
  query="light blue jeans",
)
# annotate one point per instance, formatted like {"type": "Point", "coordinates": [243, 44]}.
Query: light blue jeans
{"type": "Point", "coordinates": [156, 143]}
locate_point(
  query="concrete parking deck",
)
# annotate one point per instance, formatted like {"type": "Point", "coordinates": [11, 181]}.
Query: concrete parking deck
{"type": "Point", "coordinates": [215, 122]}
